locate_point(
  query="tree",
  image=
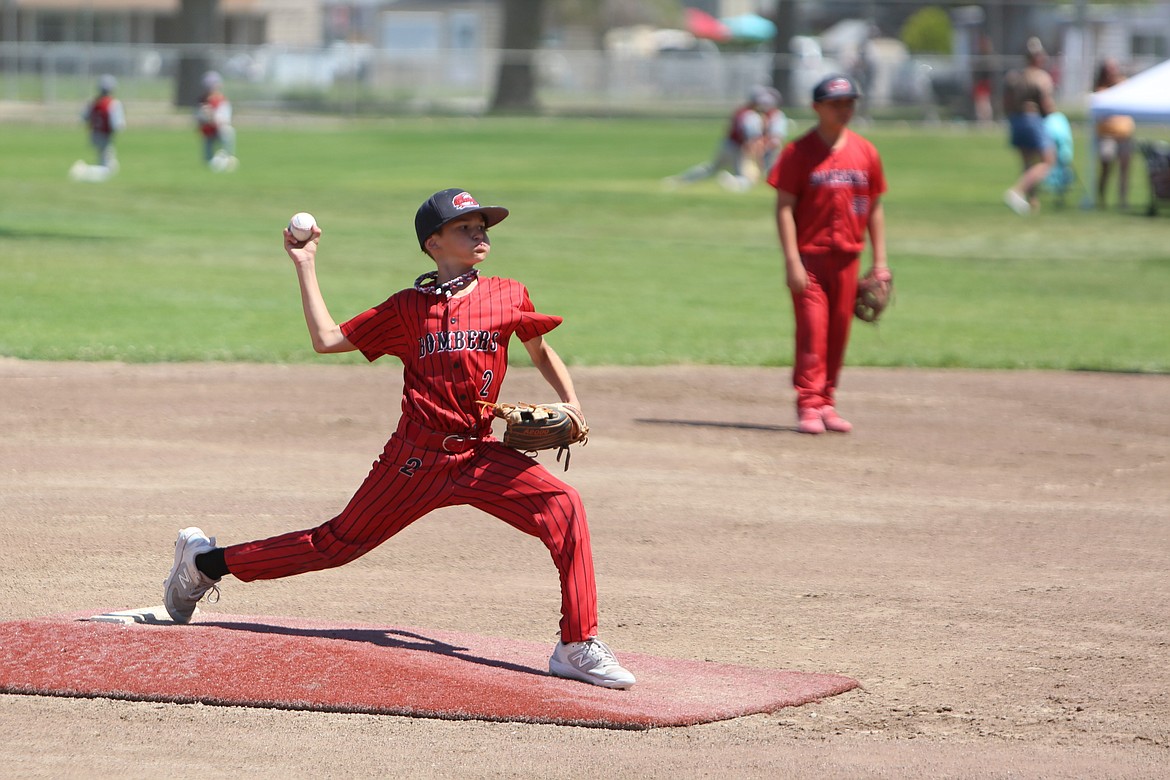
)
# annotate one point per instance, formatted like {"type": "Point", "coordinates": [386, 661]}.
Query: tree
{"type": "Point", "coordinates": [787, 19]}
{"type": "Point", "coordinates": [516, 79]}
{"type": "Point", "coordinates": [197, 21]}
{"type": "Point", "coordinates": [524, 26]}
{"type": "Point", "coordinates": [928, 31]}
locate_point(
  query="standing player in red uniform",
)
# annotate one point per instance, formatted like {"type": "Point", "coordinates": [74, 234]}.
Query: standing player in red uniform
{"type": "Point", "coordinates": [214, 117]}
{"type": "Point", "coordinates": [105, 118]}
{"type": "Point", "coordinates": [451, 332]}
{"type": "Point", "coordinates": [828, 188]}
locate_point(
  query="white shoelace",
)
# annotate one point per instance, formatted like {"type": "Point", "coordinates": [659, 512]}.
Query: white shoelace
{"type": "Point", "coordinates": [597, 651]}
{"type": "Point", "coordinates": [211, 595]}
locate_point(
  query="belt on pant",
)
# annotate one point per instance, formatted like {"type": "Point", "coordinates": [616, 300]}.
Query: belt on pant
{"type": "Point", "coordinates": [441, 441]}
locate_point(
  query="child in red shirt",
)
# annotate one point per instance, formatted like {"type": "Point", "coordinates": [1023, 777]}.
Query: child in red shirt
{"type": "Point", "coordinates": [828, 184]}
{"type": "Point", "coordinates": [451, 330]}
{"type": "Point", "coordinates": [105, 118]}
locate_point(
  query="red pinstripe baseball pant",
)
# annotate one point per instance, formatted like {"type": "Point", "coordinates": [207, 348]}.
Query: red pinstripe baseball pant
{"type": "Point", "coordinates": [824, 313]}
{"type": "Point", "coordinates": [408, 481]}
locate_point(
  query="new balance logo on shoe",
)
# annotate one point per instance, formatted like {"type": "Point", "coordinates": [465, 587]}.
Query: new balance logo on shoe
{"type": "Point", "coordinates": [590, 661]}
{"type": "Point", "coordinates": [186, 585]}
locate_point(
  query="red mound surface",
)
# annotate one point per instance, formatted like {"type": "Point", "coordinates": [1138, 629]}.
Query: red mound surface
{"type": "Point", "coordinates": [298, 664]}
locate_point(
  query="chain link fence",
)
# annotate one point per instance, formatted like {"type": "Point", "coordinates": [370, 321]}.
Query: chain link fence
{"type": "Point", "coordinates": [351, 80]}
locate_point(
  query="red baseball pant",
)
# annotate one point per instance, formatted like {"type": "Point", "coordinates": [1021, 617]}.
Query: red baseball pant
{"type": "Point", "coordinates": [408, 481]}
{"type": "Point", "coordinates": [824, 313]}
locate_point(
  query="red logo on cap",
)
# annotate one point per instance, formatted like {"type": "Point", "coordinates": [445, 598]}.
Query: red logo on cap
{"type": "Point", "coordinates": [840, 85]}
{"type": "Point", "coordinates": [464, 201]}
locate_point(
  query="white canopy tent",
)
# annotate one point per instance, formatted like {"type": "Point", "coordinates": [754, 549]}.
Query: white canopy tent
{"type": "Point", "coordinates": [1145, 97]}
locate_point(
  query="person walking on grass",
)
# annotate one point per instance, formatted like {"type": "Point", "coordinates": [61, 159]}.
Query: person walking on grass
{"type": "Point", "coordinates": [828, 187]}
{"type": "Point", "coordinates": [1027, 99]}
{"type": "Point", "coordinates": [451, 331]}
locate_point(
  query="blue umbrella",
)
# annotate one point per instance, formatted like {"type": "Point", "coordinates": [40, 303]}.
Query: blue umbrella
{"type": "Point", "coordinates": [750, 27]}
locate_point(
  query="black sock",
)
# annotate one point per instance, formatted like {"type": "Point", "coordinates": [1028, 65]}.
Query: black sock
{"type": "Point", "coordinates": [212, 564]}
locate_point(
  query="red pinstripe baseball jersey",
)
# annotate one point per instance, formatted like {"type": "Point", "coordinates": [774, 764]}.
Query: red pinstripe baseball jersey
{"type": "Point", "coordinates": [454, 351]}
{"type": "Point", "coordinates": [834, 188]}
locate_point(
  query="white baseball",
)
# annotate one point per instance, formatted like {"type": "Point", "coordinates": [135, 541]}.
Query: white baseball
{"type": "Point", "coordinates": [301, 226]}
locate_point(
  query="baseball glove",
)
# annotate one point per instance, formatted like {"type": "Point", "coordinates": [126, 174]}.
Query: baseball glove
{"type": "Point", "coordinates": [874, 293]}
{"type": "Point", "coordinates": [534, 427]}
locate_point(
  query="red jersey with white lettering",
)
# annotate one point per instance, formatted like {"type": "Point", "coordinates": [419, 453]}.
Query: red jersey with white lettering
{"type": "Point", "coordinates": [454, 351]}
{"type": "Point", "coordinates": [835, 190]}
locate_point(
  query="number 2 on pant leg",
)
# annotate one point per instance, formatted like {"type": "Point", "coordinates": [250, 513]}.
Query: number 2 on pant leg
{"type": "Point", "coordinates": [411, 465]}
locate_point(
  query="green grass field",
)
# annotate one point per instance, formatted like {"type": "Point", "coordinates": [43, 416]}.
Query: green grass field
{"type": "Point", "coordinates": [170, 262]}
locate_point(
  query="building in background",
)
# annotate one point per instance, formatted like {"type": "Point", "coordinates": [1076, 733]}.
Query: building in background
{"type": "Point", "coordinates": [241, 22]}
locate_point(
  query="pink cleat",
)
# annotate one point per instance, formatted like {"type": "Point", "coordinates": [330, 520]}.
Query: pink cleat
{"type": "Point", "coordinates": [834, 421]}
{"type": "Point", "coordinates": [811, 421]}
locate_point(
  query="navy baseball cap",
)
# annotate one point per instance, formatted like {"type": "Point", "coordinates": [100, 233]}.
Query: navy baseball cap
{"type": "Point", "coordinates": [444, 206]}
{"type": "Point", "coordinates": [834, 88]}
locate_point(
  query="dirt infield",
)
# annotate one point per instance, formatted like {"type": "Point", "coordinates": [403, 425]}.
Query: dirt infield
{"type": "Point", "coordinates": [987, 554]}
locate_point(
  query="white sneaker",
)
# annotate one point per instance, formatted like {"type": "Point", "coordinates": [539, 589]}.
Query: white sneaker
{"type": "Point", "coordinates": [590, 661]}
{"type": "Point", "coordinates": [1017, 203]}
{"type": "Point", "coordinates": [186, 585]}
{"type": "Point", "coordinates": [732, 183]}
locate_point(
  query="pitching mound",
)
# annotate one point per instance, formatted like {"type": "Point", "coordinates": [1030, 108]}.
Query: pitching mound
{"type": "Point", "coordinates": [282, 663]}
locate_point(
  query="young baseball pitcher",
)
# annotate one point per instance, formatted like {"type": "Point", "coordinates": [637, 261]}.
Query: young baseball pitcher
{"type": "Point", "coordinates": [828, 188]}
{"type": "Point", "coordinates": [451, 331]}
